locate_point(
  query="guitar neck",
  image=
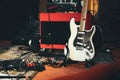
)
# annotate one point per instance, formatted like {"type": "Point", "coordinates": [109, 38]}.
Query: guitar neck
{"type": "Point", "coordinates": [83, 15]}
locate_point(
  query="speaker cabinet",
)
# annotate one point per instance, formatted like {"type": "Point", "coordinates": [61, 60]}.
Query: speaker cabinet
{"type": "Point", "coordinates": [54, 28]}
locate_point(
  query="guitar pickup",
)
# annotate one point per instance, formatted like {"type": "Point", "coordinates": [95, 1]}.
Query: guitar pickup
{"type": "Point", "coordinates": [81, 32]}
{"type": "Point", "coordinates": [80, 38]}
{"type": "Point", "coordinates": [78, 43]}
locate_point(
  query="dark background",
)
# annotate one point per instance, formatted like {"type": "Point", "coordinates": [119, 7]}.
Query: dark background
{"type": "Point", "coordinates": [109, 19]}
{"type": "Point", "coordinates": [15, 13]}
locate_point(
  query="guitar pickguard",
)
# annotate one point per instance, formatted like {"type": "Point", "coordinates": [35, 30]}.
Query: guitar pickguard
{"type": "Point", "coordinates": [83, 40]}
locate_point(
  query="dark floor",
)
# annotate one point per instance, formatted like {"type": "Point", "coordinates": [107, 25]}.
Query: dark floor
{"type": "Point", "coordinates": [107, 67]}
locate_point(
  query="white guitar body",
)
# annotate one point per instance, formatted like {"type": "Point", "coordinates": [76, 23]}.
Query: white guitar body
{"type": "Point", "coordinates": [82, 50]}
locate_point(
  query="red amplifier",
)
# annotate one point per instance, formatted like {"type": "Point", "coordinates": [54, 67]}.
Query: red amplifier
{"type": "Point", "coordinates": [54, 28]}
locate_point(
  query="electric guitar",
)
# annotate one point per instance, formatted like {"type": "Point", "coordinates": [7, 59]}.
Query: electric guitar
{"type": "Point", "coordinates": [80, 45]}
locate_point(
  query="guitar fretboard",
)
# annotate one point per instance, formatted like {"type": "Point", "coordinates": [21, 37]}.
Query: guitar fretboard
{"type": "Point", "coordinates": [83, 16]}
